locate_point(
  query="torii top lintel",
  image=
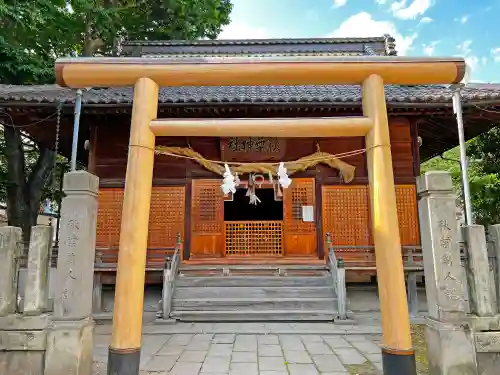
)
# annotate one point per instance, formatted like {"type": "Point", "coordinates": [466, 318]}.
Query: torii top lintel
{"type": "Point", "coordinates": [258, 71]}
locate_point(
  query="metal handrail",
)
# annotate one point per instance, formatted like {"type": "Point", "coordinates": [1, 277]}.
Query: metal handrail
{"type": "Point", "coordinates": [169, 279]}
{"type": "Point", "coordinates": [337, 272]}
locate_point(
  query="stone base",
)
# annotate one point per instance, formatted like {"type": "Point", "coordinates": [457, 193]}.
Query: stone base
{"type": "Point", "coordinates": [22, 362]}
{"type": "Point", "coordinates": [450, 349]}
{"type": "Point", "coordinates": [488, 352]}
{"type": "Point", "coordinates": [22, 344]}
{"type": "Point", "coordinates": [69, 348]}
{"type": "Point", "coordinates": [482, 323]}
{"type": "Point", "coordinates": [488, 363]}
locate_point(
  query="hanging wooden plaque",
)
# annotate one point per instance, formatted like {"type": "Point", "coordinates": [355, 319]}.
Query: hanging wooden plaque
{"type": "Point", "coordinates": [252, 149]}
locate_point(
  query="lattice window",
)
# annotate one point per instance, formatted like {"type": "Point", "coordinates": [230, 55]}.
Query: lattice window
{"type": "Point", "coordinates": [207, 206]}
{"type": "Point", "coordinates": [300, 193]}
{"type": "Point", "coordinates": [109, 217]}
{"type": "Point", "coordinates": [346, 215]}
{"type": "Point", "coordinates": [166, 217]}
{"type": "Point", "coordinates": [406, 199]}
{"type": "Point", "coordinates": [262, 238]}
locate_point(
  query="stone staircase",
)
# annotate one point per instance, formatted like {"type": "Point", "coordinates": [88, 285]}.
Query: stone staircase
{"type": "Point", "coordinates": [254, 293]}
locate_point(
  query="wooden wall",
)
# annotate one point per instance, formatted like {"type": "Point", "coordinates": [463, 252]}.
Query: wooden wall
{"type": "Point", "coordinates": [110, 159]}
{"type": "Point", "coordinates": [341, 209]}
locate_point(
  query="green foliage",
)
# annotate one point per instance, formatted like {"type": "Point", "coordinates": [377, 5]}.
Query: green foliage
{"type": "Point", "coordinates": [35, 32]}
{"type": "Point", "coordinates": [485, 180]}
{"type": "Point", "coordinates": [483, 172]}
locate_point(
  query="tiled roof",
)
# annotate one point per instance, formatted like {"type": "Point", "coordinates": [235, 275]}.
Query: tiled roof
{"type": "Point", "coordinates": [383, 45]}
{"type": "Point", "coordinates": [335, 94]}
{"type": "Point", "coordinates": [223, 42]}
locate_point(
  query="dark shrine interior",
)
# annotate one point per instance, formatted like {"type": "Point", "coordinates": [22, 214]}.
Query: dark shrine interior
{"type": "Point", "coordinates": [239, 208]}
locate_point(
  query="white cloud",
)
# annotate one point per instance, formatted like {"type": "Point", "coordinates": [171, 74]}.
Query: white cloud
{"type": "Point", "coordinates": [464, 47]}
{"type": "Point", "coordinates": [466, 52]}
{"type": "Point", "coordinates": [472, 61]}
{"type": "Point", "coordinates": [462, 19]}
{"type": "Point", "coordinates": [381, 2]}
{"type": "Point", "coordinates": [363, 25]}
{"type": "Point", "coordinates": [242, 31]}
{"type": "Point", "coordinates": [426, 20]}
{"type": "Point", "coordinates": [495, 52]}
{"type": "Point", "coordinates": [400, 9]}
{"type": "Point", "coordinates": [339, 3]}
{"type": "Point", "coordinates": [430, 48]}
{"type": "Point", "coordinates": [484, 60]}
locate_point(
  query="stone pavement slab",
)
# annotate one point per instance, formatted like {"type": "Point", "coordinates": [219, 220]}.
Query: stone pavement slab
{"type": "Point", "coordinates": [306, 350]}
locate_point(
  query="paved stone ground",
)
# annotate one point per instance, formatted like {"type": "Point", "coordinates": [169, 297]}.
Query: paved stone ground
{"type": "Point", "coordinates": [259, 348]}
{"type": "Point", "coordinates": [300, 349]}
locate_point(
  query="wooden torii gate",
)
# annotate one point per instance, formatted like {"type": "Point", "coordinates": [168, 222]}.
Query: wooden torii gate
{"type": "Point", "coordinates": [147, 74]}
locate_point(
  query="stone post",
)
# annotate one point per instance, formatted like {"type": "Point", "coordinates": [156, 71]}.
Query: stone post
{"type": "Point", "coordinates": [450, 343]}
{"type": "Point", "coordinates": [36, 292]}
{"type": "Point", "coordinates": [494, 233]}
{"type": "Point", "coordinates": [69, 349]}
{"type": "Point", "coordinates": [481, 292]}
{"type": "Point", "coordinates": [10, 249]}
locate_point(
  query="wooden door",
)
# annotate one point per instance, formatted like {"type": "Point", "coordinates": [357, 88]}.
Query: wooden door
{"type": "Point", "coordinates": [300, 236]}
{"type": "Point", "coordinates": [207, 219]}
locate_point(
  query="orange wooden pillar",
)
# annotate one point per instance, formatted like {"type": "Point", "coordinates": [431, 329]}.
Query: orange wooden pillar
{"type": "Point", "coordinates": [397, 351]}
{"type": "Point", "coordinates": [125, 348]}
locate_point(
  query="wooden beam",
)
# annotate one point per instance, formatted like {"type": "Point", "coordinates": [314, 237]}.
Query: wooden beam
{"type": "Point", "coordinates": [263, 127]}
{"type": "Point", "coordinates": [397, 349]}
{"type": "Point", "coordinates": [108, 72]}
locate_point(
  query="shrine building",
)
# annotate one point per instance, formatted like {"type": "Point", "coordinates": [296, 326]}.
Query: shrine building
{"type": "Point", "coordinates": [262, 223]}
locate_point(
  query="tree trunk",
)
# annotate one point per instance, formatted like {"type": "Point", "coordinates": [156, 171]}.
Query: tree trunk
{"type": "Point", "coordinates": [24, 194]}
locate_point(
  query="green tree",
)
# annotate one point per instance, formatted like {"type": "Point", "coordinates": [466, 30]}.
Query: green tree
{"type": "Point", "coordinates": [36, 32]}
{"type": "Point", "coordinates": [483, 172]}
{"type": "Point", "coordinates": [485, 180]}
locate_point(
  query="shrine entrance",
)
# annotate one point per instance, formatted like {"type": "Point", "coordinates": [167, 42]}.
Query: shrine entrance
{"type": "Point", "coordinates": [253, 227]}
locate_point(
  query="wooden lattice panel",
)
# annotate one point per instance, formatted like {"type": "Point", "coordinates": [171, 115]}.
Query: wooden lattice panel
{"type": "Point", "coordinates": [207, 206]}
{"type": "Point", "coordinates": [207, 219]}
{"type": "Point", "coordinates": [299, 193]}
{"type": "Point", "coordinates": [253, 238]}
{"type": "Point", "coordinates": [300, 236]}
{"type": "Point", "coordinates": [346, 215]}
{"type": "Point", "coordinates": [109, 217]}
{"type": "Point", "coordinates": [406, 199]}
{"type": "Point", "coordinates": [166, 217]}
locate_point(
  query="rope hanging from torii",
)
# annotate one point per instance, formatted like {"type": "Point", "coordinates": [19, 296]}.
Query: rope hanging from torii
{"type": "Point", "coordinates": [333, 161]}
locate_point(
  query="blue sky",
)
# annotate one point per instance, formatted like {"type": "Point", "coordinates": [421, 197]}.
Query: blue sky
{"type": "Point", "coordinates": [468, 28]}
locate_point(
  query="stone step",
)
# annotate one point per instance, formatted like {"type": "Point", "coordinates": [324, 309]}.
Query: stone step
{"type": "Point", "coordinates": [253, 316]}
{"type": "Point", "coordinates": [254, 304]}
{"type": "Point", "coordinates": [254, 292]}
{"type": "Point", "coordinates": [253, 270]}
{"type": "Point", "coordinates": [254, 267]}
{"type": "Point", "coordinates": [252, 281]}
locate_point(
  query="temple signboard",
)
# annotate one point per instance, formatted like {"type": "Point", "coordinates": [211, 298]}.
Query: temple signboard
{"type": "Point", "coordinates": [252, 149]}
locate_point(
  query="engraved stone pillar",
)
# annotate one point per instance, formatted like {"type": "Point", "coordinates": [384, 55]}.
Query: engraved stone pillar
{"type": "Point", "coordinates": [481, 292]}
{"type": "Point", "coordinates": [10, 248]}
{"type": "Point", "coordinates": [446, 327]}
{"type": "Point", "coordinates": [75, 262]}
{"type": "Point", "coordinates": [440, 247]}
{"type": "Point", "coordinates": [36, 291]}
{"type": "Point", "coordinates": [69, 348]}
{"type": "Point", "coordinates": [494, 233]}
